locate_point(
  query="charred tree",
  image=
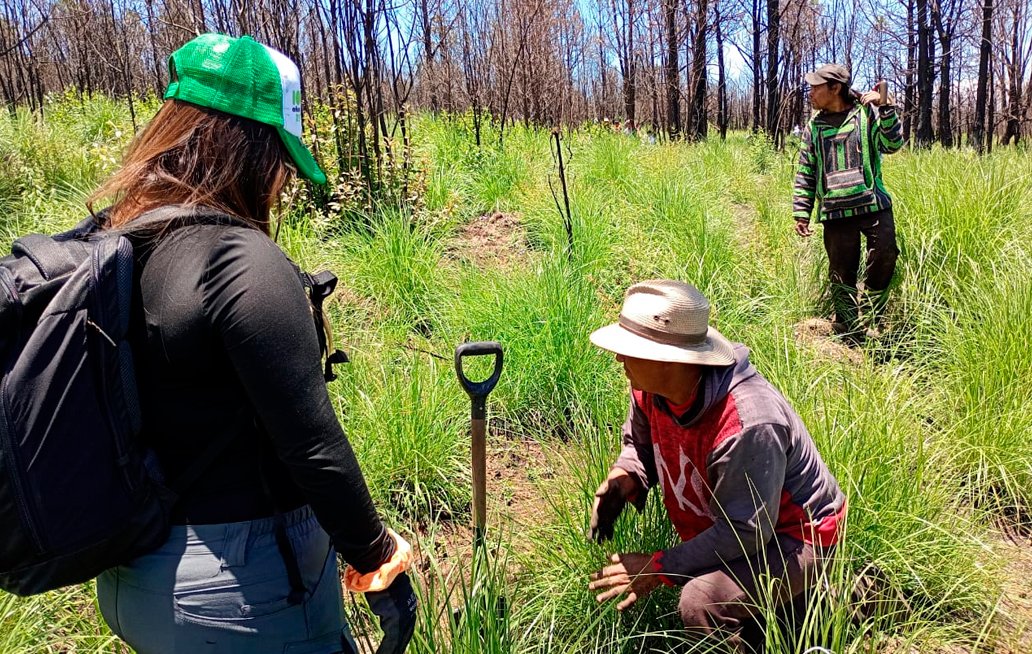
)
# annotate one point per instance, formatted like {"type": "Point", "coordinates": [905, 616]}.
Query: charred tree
{"type": "Point", "coordinates": [673, 74]}
{"type": "Point", "coordinates": [773, 66]}
{"type": "Point", "coordinates": [925, 77]}
{"type": "Point", "coordinates": [698, 122]}
{"type": "Point", "coordinates": [722, 117]}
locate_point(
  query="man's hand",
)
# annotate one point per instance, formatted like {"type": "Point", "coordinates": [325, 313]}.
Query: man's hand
{"type": "Point", "coordinates": [871, 98]}
{"type": "Point", "coordinates": [630, 575]}
{"type": "Point", "coordinates": [610, 498]}
{"type": "Point", "coordinates": [802, 227]}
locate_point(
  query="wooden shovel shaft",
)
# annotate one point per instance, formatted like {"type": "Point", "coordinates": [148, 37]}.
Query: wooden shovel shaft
{"type": "Point", "coordinates": [479, 441]}
{"type": "Point", "coordinates": [478, 392]}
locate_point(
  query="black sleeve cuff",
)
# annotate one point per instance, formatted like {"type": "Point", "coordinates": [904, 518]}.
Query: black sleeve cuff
{"type": "Point", "coordinates": [371, 558]}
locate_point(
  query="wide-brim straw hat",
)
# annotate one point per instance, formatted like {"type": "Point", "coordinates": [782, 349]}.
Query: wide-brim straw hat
{"type": "Point", "coordinates": [666, 320]}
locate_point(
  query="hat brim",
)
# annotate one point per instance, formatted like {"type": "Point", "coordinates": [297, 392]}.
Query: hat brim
{"type": "Point", "coordinates": [813, 79]}
{"type": "Point", "coordinates": [714, 351]}
{"type": "Point", "coordinates": [302, 157]}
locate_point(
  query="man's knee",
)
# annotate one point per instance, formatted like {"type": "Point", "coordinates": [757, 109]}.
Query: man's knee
{"type": "Point", "coordinates": [881, 265]}
{"type": "Point", "coordinates": [692, 607]}
{"type": "Point", "coordinates": [705, 605]}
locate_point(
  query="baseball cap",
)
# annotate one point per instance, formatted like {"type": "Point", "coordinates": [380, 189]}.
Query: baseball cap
{"type": "Point", "coordinates": [828, 73]}
{"type": "Point", "coordinates": [242, 77]}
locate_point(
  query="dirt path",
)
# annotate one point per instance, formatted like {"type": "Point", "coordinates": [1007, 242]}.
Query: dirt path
{"type": "Point", "coordinates": [1015, 609]}
{"type": "Point", "coordinates": [516, 469]}
{"type": "Point", "coordinates": [496, 239]}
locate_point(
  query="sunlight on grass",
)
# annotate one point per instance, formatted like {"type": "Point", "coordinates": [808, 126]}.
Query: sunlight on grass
{"type": "Point", "coordinates": [926, 428]}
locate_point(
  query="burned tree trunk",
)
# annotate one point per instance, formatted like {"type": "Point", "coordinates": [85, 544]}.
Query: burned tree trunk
{"type": "Point", "coordinates": [925, 77]}
{"type": "Point", "coordinates": [673, 74]}
{"type": "Point", "coordinates": [697, 118]}
{"type": "Point", "coordinates": [722, 117]}
{"type": "Point", "coordinates": [773, 49]}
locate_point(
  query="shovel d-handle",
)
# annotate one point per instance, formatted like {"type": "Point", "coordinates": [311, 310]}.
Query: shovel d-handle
{"type": "Point", "coordinates": [478, 392]}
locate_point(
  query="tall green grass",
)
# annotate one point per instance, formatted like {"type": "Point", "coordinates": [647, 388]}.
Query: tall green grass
{"type": "Point", "coordinates": [926, 428]}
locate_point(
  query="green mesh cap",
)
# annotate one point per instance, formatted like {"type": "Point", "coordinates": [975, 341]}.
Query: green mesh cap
{"type": "Point", "coordinates": [245, 78]}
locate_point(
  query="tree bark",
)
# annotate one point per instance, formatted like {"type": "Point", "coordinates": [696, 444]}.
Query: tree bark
{"type": "Point", "coordinates": [1015, 74]}
{"type": "Point", "coordinates": [925, 76]}
{"type": "Point", "coordinates": [909, 90]}
{"type": "Point", "coordinates": [985, 51]}
{"type": "Point", "coordinates": [773, 50]}
{"type": "Point", "coordinates": [673, 74]}
{"type": "Point", "coordinates": [944, 27]}
{"type": "Point", "coordinates": [628, 63]}
{"type": "Point", "coordinates": [698, 123]}
{"type": "Point", "coordinates": [722, 117]}
{"type": "Point", "coordinates": [757, 67]}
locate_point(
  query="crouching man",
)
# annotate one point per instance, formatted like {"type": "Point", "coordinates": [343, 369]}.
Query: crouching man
{"type": "Point", "coordinates": [742, 481]}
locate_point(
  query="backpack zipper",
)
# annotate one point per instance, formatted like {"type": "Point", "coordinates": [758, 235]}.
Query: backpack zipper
{"type": "Point", "coordinates": [90, 323]}
{"type": "Point", "coordinates": [121, 438]}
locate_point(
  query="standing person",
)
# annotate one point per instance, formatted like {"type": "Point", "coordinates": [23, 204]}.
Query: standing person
{"type": "Point", "coordinates": [741, 478]}
{"type": "Point", "coordinates": [227, 352]}
{"type": "Point", "coordinates": [840, 166]}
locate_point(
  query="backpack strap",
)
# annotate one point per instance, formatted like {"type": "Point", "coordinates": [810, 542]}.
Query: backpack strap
{"type": "Point", "coordinates": [152, 226]}
{"type": "Point", "coordinates": [51, 258]}
{"type": "Point", "coordinates": [319, 287]}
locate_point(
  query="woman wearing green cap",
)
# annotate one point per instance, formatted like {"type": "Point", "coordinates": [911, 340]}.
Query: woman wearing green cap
{"type": "Point", "coordinates": [231, 384]}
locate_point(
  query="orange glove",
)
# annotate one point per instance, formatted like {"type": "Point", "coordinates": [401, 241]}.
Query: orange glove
{"type": "Point", "coordinates": [381, 578]}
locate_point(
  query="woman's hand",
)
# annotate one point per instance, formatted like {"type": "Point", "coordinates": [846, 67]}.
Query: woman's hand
{"type": "Point", "coordinates": [396, 609]}
{"type": "Point", "coordinates": [631, 575]}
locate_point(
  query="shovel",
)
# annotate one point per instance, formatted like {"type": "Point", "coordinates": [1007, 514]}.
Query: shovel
{"type": "Point", "coordinates": [486, 613]}
{"type": "Point", "coordinates": [478, 392]}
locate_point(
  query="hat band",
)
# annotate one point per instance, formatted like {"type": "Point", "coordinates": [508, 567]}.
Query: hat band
{"type": "Point", "coordinates": [659, 336]}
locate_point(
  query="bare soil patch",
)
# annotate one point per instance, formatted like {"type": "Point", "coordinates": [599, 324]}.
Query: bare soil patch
{"type": "Point", "coordinates": [816, 333]}
{"type": "Point", "coordinates": [516, 469]}
{"type": "Point", "coordinates": [1015, 608]}
{"type": "Point", "coordinates": [496, 239]}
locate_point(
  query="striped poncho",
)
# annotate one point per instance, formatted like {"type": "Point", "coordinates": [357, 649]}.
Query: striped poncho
{"type": "Point", "coordinates": [840, 165]}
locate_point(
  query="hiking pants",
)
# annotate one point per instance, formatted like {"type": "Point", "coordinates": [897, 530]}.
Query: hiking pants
{"type": "Point", "coordinates": [720, 601]}
{"type": "Point", "coordinates": [842, 241]}
{"type": "Point", "coordinates": [223, 589]}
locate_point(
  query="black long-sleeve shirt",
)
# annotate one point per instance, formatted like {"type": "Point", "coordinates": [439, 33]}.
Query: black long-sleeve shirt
{"type": "Point", "coordinates": [230, 344]}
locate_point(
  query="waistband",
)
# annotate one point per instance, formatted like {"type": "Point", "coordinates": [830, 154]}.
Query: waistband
{"type": "Point", "coordinates": [255, 527]}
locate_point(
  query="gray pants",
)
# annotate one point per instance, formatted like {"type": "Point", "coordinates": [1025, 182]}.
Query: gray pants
{"type": "Point", "coordinates": [222, 589]}
{"type": "Point", "coordinates": [717, 602]}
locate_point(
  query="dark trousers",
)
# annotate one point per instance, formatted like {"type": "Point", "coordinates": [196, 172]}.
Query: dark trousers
{"type": "Point", "coordinates": [842, 241]}
{"type": "Point", "coordinates": [719, 602]}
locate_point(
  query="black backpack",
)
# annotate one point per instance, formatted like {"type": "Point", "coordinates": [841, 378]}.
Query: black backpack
{"type": "Point", "coordinates": [78, 492]}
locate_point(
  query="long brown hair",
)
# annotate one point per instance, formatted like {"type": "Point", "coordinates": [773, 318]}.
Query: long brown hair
{"type": "Point", "coordinates": [197, 156]}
